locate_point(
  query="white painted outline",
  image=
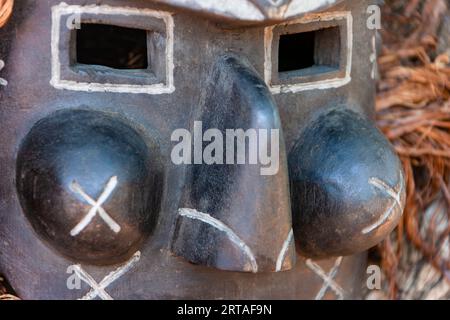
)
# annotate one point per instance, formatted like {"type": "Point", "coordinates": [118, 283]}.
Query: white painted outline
{"type": "Point", "coordinates": [63, 9]}
{"type": "Point", "coordinates": [373, 57]}
{"type": "Point", "coordinates": [219, 225]}
{"type": "Point", "coordinates": [394, 194]}
{"type": "Point", "coordinates": [284, 250]}
{"type": "Point", "coordinates": [3, 82]}
{"type": "Point", "coordinates": [98, 289]}
{"type": "Point", "coordinates": [320, 85]}
{"type": "Point", "coordinates": [328, 279]}
{"type": "Point", "coordinates": [96, 207]}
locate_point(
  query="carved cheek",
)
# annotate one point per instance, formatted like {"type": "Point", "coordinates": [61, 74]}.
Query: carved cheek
{"type": "Point", "coordinates": [90, 185]}
{"type": "Point", "coordinates": [347, 186]}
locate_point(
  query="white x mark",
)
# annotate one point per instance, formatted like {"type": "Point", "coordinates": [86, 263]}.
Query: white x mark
{"type": "Point", "coordinates": [394, 194]}
{"type": "Point", "coordinates": [96, 207]}
{"type": "Point", "coordinates": [328, 279]}
{"type": "Point", "coordinates": [3, 82]}
{"type": "Point", "coordinates": [98, 289]}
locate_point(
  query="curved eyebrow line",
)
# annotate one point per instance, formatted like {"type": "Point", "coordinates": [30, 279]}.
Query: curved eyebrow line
{"type": "Point", "coordinates": [284, 250]}
{"type": "Point", "coordinates": [219, 225]}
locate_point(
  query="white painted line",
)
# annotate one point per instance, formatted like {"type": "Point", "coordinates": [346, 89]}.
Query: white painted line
{"type": "Point", "coordinates": [284, 250]}
{"type": "Point", "coordinates": [206, 218]}
{"type": "Point", "coordinates": [98, 290]}
{"type": "Point", "coordinates": [63, 9]}
{"type": "Point", "coordinates": [86, 277]}
{"type": "Point", "coordinates": [383, 186]}
{"type": "Point", "coordinates": [3, 82]}
{"type": "Point", "coordinates": [373, 57]}
{"type": "Point", "coordinates": [380, 221]}
{"type": "Point", "coordinates": [332, 274]}
{"type": "Point", "coordinates": [316, 85]}
{"type": "Point", "coordinates": [96, 207]}
{"type": "Point", "coordinates": [328, 279]}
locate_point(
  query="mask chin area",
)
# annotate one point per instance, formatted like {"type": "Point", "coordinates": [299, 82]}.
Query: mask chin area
{"type": "Point", "coordinates": [347, 186]}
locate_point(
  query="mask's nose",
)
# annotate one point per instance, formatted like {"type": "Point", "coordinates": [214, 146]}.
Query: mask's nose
{"type": "Point", "coordinates": [236, 216]}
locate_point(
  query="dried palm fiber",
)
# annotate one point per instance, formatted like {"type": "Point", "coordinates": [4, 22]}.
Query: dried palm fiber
{"type": "Point", "coordinates": [413, 110]}
{"type": "Point", "coordinates": [4, 295]}
{"type": "Point", "coordinates": [6, 7]}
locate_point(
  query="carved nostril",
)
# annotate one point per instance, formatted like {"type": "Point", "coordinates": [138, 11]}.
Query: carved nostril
{"type": "Point", "coordinates": [347, 186]}
{"type": "Point", "coordinates": [89, 185]}
{"type": "Point", "coordinates": [232, 217]}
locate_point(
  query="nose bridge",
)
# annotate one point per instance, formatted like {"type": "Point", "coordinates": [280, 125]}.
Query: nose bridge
{"type": "Point", "coordinates": [233, 216]}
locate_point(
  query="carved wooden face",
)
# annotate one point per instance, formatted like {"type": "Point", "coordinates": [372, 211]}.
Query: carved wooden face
{"type": "Point", "coordinates": [98, 104]}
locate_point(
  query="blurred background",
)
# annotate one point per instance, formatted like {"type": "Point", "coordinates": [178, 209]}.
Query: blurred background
{"type": "Point", "coordinates": [413, 110]}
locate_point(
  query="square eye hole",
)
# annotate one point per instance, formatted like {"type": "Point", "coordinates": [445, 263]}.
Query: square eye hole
{"type": "Point", "coordinates": [112, 49]}
{"type": "Point", "coordinates": [309, 53]}
{"type": "Point", "coordinates": [111, 46]}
